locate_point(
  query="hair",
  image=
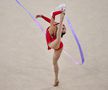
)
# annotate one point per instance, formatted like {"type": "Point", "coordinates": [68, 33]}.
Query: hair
{"type": "Point", "coordinates": [63, 33]}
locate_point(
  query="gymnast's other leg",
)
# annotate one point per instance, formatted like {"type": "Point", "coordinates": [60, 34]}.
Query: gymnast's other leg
{"type": "Point", "coordinates": [56, 57]}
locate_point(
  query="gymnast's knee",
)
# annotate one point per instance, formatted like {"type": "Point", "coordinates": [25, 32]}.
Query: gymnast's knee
{"type": "Point", "coordinates": [54, 62]}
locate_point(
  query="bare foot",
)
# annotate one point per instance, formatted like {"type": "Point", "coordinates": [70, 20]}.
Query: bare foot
{"type": "Point", "coordinates": [56, 83]}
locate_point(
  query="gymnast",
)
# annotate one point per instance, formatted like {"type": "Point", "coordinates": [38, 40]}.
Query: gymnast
{"type": "Point", "coordinates": [54, 33]}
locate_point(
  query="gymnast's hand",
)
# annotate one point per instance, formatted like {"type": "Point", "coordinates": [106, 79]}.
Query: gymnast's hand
{"type": "Point", "coordinates": [38, 16]}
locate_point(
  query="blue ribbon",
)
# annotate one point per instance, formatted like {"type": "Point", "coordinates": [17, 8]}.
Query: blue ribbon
{"type": "Point", "coordinates": [69, 24]}
{"type": "Point", "coordinates": [36, 21]}
{"type": "Point", "coordinates": [77, 41]}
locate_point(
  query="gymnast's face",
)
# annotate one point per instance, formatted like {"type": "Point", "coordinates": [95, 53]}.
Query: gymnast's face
{"type": "Point", "coordinates": [63, 29]}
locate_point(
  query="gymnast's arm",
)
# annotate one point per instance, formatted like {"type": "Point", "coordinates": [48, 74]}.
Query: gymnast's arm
{"type": "Point", "coordinates": [54, 14]}
{"type": "Point", "coordinates": [44, 17]}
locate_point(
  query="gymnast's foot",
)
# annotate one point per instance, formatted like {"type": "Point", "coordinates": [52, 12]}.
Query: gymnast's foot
{"type": "Point", "coordinates": [56, 83]}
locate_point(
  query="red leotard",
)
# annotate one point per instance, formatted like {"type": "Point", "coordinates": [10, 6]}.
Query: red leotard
{"type": "Point", "coordinates": [48, 36]}
{"type": "Point", "coordinates": [49, 39]}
